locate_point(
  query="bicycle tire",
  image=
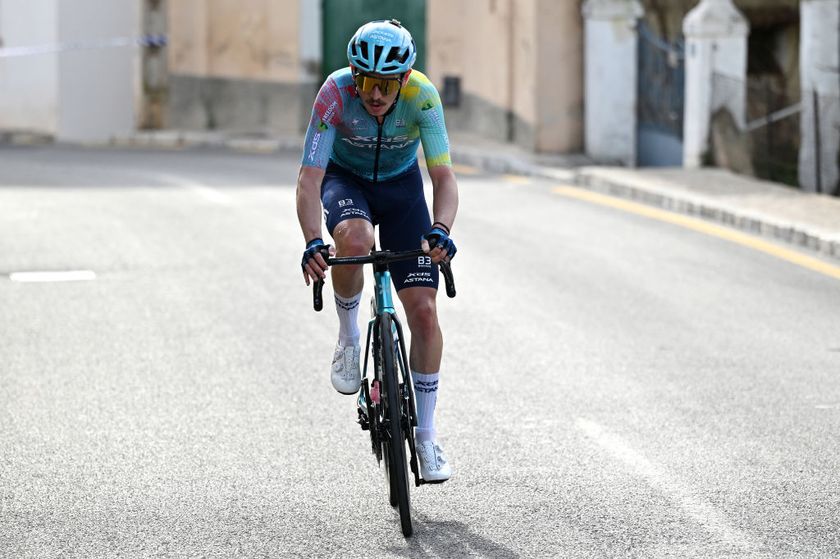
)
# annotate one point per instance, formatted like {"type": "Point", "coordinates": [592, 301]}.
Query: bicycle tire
{"type": "Point", "coordinates": [382, 415]}
{"type": "Point", "coordinates": [398, 465]}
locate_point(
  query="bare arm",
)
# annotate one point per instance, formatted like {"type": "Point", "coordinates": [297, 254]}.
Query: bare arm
{"type": "Point", "coordinates": [445, 192]}
{"type": "Point", "coordinates": [445, 202]}
{"type": "Point", "coordinates": [309, 216]}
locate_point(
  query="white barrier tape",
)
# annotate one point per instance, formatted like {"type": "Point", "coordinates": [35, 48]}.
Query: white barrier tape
{"type": "Point", "coordinates": [144, 41]}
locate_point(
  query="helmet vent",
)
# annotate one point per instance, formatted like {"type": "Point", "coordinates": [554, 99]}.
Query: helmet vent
{"type": "Point", "coordinates": [377, 52]}
{"type": "Point", "coordinates": [394, 56]}
{"type": "Point", "coordinates": [364, 48]}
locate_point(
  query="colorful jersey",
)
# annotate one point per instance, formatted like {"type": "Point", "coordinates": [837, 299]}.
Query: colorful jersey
{"type": "Point", "coordinates": [342, 130]}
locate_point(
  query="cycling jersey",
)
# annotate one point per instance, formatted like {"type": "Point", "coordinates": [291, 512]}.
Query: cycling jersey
{"type": "Point", "coordinates": [341, 130]}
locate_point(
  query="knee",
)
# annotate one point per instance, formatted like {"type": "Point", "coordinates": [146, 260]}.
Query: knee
{"type": "Point", "coordinates": [422, 318]}
{"type": "Point", "coordinates": [353, 238]}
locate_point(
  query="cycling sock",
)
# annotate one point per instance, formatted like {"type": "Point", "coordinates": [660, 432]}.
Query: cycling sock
{"type": "Point", "coordinates": [348, 317]}
{"type": "Point", "coordinates": [425, 392]}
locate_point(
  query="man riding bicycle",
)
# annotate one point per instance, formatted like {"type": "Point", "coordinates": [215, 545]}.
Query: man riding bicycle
{"type": "Point", "coordinates": [360, 163]}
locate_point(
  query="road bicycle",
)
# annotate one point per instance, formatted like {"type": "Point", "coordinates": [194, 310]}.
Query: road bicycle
{"type": "Point", "coordinates": [386, 404]}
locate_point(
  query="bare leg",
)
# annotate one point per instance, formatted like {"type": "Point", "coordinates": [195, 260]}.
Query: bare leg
{"type": "Point", "coordinates": [426, 338]}
{"type": "Point", "coordinates": [353, 237]}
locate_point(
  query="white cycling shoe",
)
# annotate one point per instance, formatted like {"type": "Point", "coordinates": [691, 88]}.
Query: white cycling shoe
{"type": "Point", "coordinates": [433, 464]}
{"type": "Point", "coordinates": [345, 374]}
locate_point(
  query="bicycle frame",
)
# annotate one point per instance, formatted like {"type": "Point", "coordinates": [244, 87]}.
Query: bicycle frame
{"type": "Point", "coordinates": [382, 290]}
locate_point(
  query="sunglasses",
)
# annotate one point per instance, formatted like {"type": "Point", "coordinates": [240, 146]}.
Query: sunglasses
{"type": "Point", "coordinates": [366, 83]}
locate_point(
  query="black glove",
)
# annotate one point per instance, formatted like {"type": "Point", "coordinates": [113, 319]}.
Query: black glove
{"type": "Point", "coordinates": [437, 237]}
{"type": "Point", "coordinates": [313, 247]}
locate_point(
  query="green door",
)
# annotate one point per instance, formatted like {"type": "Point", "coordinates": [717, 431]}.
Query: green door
{"type": "Point", "coordinates": [341, 18]}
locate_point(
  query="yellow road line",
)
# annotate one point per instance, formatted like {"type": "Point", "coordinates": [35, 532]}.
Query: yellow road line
{"type": "Point", "coordinates": [517, 179]}
{"type": "Point", "coordinates": [704, 227]}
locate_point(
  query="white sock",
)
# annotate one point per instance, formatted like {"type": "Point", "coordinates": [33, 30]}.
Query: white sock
{"type": "Point", "coordinates": [348, 317]}
{"type": "Point", "coordinates": [425, 394]}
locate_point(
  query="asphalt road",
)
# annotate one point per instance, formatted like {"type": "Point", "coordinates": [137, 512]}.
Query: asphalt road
{"type": "Point", "coordinates": [612, 386]}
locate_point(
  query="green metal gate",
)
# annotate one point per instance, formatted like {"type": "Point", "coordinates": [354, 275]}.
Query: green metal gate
{"type": "Point", "coordinates": [341, 18]}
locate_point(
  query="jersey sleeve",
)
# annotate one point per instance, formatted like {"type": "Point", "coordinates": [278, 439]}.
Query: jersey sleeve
{"type": "Point", "coordinates": [433, 128]}
{"type": "Point", "coordinates": [320, 135]}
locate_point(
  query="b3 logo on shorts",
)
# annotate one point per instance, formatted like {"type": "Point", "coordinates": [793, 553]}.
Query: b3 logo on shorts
{"type": "Point", "coordinates": [345, 202]}
{"type": "Point", "coordinates": [424, 261]}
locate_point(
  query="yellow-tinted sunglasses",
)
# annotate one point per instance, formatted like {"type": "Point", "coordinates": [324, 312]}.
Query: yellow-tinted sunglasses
{"type": "Point", "coordinates": [366, 83]}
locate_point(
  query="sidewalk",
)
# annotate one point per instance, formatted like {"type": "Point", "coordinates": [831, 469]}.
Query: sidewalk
{"type": "Point", "coordinates": [759, 207]}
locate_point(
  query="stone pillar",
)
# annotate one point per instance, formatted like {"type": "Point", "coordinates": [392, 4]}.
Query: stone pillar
{"type": "Point", "coordinates": [610, 79]}
{"type": "Point", "coordinates": [819, 59]}
{"type": "Point", "coordinates": [715, 72]}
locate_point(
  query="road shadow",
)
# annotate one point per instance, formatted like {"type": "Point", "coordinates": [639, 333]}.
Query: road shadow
{"type": "Point", "coordinates": [433, 538]}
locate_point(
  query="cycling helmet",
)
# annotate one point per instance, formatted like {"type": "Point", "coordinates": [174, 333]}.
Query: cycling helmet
{"type": "Point", "coordinates": [382, 47]}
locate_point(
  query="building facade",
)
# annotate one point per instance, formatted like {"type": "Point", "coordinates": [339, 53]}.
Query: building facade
{"type": "Point", "coordinates": [66, 71]}
{"type": "Point", "coordinates": [748, 84]}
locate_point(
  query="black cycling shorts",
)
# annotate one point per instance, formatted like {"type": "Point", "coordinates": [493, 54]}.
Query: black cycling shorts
{"type": "Point", "coordinates": [396, 206]}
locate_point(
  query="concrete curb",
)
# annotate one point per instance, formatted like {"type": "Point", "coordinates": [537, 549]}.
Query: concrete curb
{"type": "Point", "coordinates": [697, 205]}
{"type": "Point", "coordinates": [24, 138]}
{"type": "Point", "coordinates": [580, 172]}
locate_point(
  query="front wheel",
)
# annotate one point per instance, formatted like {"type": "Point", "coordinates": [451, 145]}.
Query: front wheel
{"type": "Point", "coordinates": [396, 464]}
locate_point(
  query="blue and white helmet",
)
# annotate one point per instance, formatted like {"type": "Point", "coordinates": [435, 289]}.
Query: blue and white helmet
{"type": "Point", "coordinates": [382, 47]}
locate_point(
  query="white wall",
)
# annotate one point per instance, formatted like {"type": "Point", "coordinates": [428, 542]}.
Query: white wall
{"type": "Point", "coordinates": [99, 88]}
{"type": "Point", "coordinates": [29, 84]}
{"type": "Point", "coordinates": [77, 95]}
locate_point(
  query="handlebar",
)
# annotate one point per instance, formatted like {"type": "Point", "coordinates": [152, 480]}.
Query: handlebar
{"type": "Point", "coordinates": [379, 258]}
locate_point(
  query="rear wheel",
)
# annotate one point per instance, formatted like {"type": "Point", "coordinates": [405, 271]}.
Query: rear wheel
{"type": "Point", "coordinates": [396, 464]}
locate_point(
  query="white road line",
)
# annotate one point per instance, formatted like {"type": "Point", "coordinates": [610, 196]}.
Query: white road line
{"type": "Point", "coordinates": [696, 508]}
{"type": "Point", "coordinates": [70, 275]}
{"type": "Point", "coordinates": [209, 194]}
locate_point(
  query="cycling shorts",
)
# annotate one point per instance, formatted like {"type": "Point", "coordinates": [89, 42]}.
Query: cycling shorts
{"type": "Point", "coordinates": [397, 206]}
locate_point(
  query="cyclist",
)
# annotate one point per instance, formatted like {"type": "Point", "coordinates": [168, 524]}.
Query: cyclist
{"type": "Point", "coordinates": [360, 163]}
